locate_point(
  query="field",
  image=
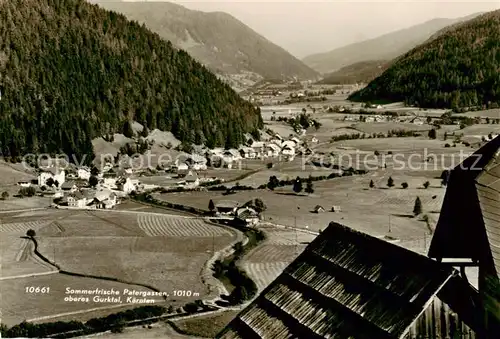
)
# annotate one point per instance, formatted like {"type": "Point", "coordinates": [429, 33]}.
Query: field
{"type": "Point", "coordinates": [157, 331]}
{"type": "Point", "coordinates": [165, 251]}
{"type": "Point", "coordinates": [266, 262]}
{"type": "Point", "coordinates": [206, 326]}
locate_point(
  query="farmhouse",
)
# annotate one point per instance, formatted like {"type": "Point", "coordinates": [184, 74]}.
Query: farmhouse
{"type": "Point", "coordinates": [468, 229]}
{"type": "Point", "coordinates": [289, 143]}
{"type": "Point", "coordinates": [109, 183]}
{"type": "Point", "coordinates": [128, 185]}
{"type": "Point", "coordinates": [226, 207]}
{"type": "Point", "coordinates": [289, 152]}
{"type": "Point", "coordinates": [197, 162]}
{"type": "Point", "coordinates": [24, 183]}
{"type": "Point", "coordinates": [182, 169]}
{"type": "Point", "coordinates": [418, 121]}
{"type": "Point", "coordinates": [248, 153]}
{"type": "Point", "coordinates": [192, 179]}
{"type": "Point", "coordinates": [51, 173]}
{"type": "Point", "coordinates": [346, 284]}
{"type": "Point", "coordinates": [247, 216]}
{"type": "Point", "coordinates": [69, 186]}
{"type": "Point", "coordinates": [295, 140]}
{"type": "Point", "coordinates": [272, 150]}
{"type": "Point", "coordinates": [77, 199]}
{"type": "Point", "coordinates": [104, 199]}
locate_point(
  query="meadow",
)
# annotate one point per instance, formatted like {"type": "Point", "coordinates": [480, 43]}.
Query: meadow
{"type": "Point", "coordinates": [167, 252]}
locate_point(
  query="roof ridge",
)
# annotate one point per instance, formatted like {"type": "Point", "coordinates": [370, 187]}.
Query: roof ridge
{"type": "Point", "coordinates": [390, 245]}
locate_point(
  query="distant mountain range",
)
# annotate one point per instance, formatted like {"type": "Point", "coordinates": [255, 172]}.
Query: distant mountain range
{"type": "Point", "coordinates": [216, 39]}
{"type": "Point", "coordinates": [359, 72]}
{"type": "Point", "coordinates": [456, 68]}
{"type": "Point", "coordinates": [385, 47]}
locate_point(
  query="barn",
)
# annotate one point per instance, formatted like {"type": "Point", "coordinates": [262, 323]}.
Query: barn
{"type": "Point", "coordinates": [347, 284]}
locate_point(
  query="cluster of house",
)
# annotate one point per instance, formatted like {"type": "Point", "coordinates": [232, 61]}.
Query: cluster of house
{"type": "Point", "coordinates": [244, 215]}
{"type": "Point", "coordinates": [72, 190]}
{"type": "Point", "coordinates": [380, 118]}
{"type": "Point", "coordinates": [230, 158]}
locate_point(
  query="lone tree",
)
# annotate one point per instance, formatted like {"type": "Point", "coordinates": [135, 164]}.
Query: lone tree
{"type": "Point", "coordinates": [372, 184]}
{"type": "Point", "coordinates": [309, 187]}
{"type": "Point", "coordinates": [93, 181]}
{"type": "Point", "coordinates": [31, 233]}
{"type": "Point", "coordinates": [432, 134]}
{"type": "Point", "coordinates": [5, 195]}
{"type": "Point", "coordinates": [445, 176]}
{"type": "Point", "coordinates": [426, 184]}
{"type": "Point", "coordinates": [390, 182]}
{"type": "Point", "coordinates": [94, 171]}
{"type": "Point", "coordinates": [272, 183]}
{"type": "Point", "coordinates": [417, 209]}
{"type": "Point", "coordinates": [297, 185]}
{"type": "Point", "coordinates": [259, 205]}
{"type": "Point", "coordinates": [404, 185]}
{"type": "Point", "coordinates": [211, 205]}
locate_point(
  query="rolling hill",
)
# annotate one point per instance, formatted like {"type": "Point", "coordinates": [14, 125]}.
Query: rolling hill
{"type": "Point", "coordinates": [459, 68]}
{"type": "Point", "coordinates": [385, 47]}
{"type": "Point", "coordinates": [359, 72]}
{"type": "Point", "coordinates": [71, 71]}
{"type": "Point", "coordinates": [216, 39]}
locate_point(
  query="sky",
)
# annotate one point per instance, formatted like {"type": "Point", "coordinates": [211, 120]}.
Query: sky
{"type": "Point", "coordinates": [309, 27]}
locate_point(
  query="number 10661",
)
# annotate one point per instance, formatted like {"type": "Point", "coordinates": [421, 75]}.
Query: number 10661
{"type": "Point", "coordinates": [37, 289]}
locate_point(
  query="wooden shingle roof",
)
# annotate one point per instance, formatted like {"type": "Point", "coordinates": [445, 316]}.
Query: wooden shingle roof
{"type": "Point", "coordinates": [344, 285]}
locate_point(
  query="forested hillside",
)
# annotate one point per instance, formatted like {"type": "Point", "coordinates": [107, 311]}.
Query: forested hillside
{"type": "Point", "coordinates": [71, 71]}
{"type": "Point", "coordinates": [459, 68]}
{"type": "Point", "coordinates": [359, 72]}
{"type": "Point", "coordinates": [216, 39]}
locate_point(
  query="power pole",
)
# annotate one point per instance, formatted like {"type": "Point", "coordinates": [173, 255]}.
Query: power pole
{"type": "Point", "coordinates": [389, 223]}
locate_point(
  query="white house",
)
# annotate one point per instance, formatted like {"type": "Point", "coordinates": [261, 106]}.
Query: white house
{"type": "Point", "coordinates": [197, 162]}
{"type": "Point", "coordinates": [192, 179]}
{"type": "Point", "coordinates": [272, 150]}
{"type": "Point", "coordinates": [247, 216]}
{"type": "Point", "coordinates": [84, 173]}
{"type": "Point", "coordinates": [369, 119]}
{"type": "Point", "coordinates": [24, 183]}
{"type": "Point", "coordinates": [104, 199]}
{"type": "Point", "coordinates": [182, 169]}
{"type": "Point", "coordinates": [288, 143]}
{"type": "Point", "coordinates": [295, 140]}
{"type": "Point", "coordinates": [289, 152]}
{"type": "Point", "coordinates": [278, 142]}
{"type": "Point", "coordinates": [129, 185]}
{"type": "Point", "coordinates": [77, 199]}
{"type": "Point", "coordinates": [418, 121]}
{"type": "Point", "coordinates": [248, 153]}
{"type": "Point", "coordinates": [230, 156]}
{"type": "Point", "coordinates": [69, 186]}
{"type": "Point", "coordinates": [54, 173]}
{"type": "Point", "coordinates": [109, 183]}
{"type": "Point", "coordinates": [259, 148]}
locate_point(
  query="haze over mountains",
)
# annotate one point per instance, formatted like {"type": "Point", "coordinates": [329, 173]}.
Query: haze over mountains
{"type": "Point", "coordinates": [385, 47]}
{"type": "Point", "coordinates": [216, 39]}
